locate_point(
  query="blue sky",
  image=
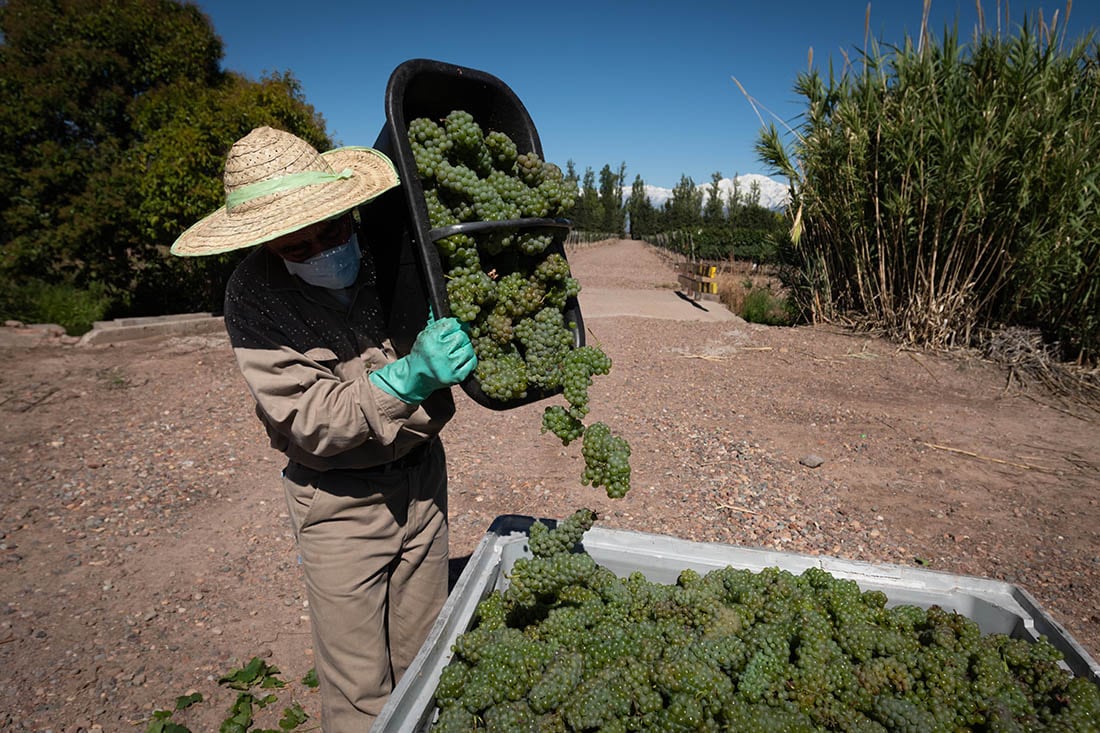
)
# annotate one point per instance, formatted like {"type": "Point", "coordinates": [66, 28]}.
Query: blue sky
{"type": "Point", "coordinates": [641, 83]}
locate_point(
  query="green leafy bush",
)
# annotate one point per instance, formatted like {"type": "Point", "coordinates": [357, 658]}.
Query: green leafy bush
{"type": "Point", "coordinates": [73, 308]}
{"type": "Point", "coordinates": [761, 306]}
{"type": "Point", "coordinates": [756, 293]}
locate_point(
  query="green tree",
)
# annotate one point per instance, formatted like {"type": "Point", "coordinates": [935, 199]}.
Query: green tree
{"type": "Point", "coordinates": [643, 216]}
{"type": "Point", "coordinates": [113, 132]}
{"type": "Point", "coordinates": [734, 200]}
{"type": "Point", "coordinates": [752, 198]}
{"type": "Point", "coordinates": [684, 210]}
{"type": "Point", "coordinates": [589, 210]}
{"type": "Point", "coordinates": [714, 211]}
{"type": "Point", "coordinates": [611, 200]}
{"type": "Point", "coordinates": [574, 182]}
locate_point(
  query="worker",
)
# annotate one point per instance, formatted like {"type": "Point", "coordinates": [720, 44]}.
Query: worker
{"type": "Point", "coordinates": [358, 421]}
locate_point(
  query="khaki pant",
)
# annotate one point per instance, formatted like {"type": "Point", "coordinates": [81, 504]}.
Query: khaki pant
{"type": "Point", "coordinates": [373, 549]}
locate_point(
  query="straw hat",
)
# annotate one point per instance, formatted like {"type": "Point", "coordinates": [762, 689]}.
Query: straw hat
{"type": "Point", "coordinates": [277, 183]}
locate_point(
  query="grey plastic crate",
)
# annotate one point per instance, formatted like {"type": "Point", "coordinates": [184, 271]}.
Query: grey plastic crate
{"type": "Point", "coordinates": [996, 607]}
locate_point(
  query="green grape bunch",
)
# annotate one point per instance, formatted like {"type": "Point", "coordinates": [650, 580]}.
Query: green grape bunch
{"type": "Point", "coordinates": [512, 287]}
{"type": "Point", "coordinates": [607, 460]}
{"type": "Point", "coordinates": [546, 542]}
{"type": "Point", "coordinates": [469, 175]}
{"type": "Point", "coordinates": [567, 645]}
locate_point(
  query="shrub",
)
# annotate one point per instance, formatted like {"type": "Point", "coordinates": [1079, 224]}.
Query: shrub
{"type": "Point", "coordinates": [761, 306]}
{"type": "Point", "coordinates": [754, 294]}
{"type": "Point", "coordinates": [73, 308]}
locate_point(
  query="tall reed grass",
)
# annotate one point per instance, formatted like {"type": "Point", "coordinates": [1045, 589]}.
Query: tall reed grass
{"type": "Point", "coordinates": [943, 188]}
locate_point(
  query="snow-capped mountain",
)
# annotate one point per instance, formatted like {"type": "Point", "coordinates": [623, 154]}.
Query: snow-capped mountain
{"type": "Point", "coordinates": [773, 193]}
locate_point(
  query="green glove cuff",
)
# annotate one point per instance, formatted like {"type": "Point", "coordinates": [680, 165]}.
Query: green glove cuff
{"type": "Point", "coordinates": [396, 378]}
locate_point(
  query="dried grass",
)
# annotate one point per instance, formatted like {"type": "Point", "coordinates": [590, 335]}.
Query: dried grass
{"type": "Point", "coordinates": [1033, 366]}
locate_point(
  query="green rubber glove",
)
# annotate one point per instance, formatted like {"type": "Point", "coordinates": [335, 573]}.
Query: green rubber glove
{"type": "Point", "coordinates": [441, 356]}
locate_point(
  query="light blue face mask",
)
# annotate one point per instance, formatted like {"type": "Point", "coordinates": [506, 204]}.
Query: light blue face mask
{"type": "Point", "coordinates": [334, 268]}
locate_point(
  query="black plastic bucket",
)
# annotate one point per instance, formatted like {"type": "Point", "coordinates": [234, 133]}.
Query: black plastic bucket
{"type": "Point", "coordinates": [426, 88]}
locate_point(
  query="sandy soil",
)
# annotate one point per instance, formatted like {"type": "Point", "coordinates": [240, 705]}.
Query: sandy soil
{"type": "Point", "coordinates": [145, 547]}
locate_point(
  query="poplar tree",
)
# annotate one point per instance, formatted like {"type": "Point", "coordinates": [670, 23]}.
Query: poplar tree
{"type": "Point", "coordinates": [714, 210]}
{"type": "Point", "coordinates": [589, 216]}
{"type": "Point", "coordinates": [611, 200]}
{"type": "Point", "coordinates": [643, 216]}
{"type": "Point", "coordinates": [684, 209]}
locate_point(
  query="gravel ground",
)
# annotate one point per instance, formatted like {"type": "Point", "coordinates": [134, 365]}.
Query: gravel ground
{"type": "Point", "coordinates": [144, 542]}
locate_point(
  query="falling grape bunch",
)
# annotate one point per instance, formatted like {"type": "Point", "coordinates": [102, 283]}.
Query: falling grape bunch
{"type": "Point", "coordinates": [508, 285]}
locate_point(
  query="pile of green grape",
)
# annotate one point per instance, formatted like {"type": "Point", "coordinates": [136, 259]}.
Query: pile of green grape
{"type": "Point", "coordinates": [511, 286]}
{"type": "Point", "coordinates": [569, 646]}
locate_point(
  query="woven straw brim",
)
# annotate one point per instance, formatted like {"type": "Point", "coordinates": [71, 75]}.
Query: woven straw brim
{"type": "Point", "coordinates": [274, 215]}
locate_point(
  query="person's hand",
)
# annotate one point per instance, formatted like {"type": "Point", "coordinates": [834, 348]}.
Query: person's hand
{"type": "Point", "coordinates": [441, 356]}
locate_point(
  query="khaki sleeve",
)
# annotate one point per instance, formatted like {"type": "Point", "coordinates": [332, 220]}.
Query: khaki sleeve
{"type": "Point", "coordinates": [304, 400]}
